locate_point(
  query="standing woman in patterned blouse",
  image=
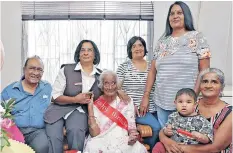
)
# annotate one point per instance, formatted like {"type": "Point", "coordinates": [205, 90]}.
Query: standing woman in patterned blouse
{"type": "Point", "coordinates": [181, 53]}
{"type": "Point", "coordinates": [133, 75]}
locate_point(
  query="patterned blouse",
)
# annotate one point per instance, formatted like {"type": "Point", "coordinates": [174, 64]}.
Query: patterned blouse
{"type": "Point", "coordinates": [217, 120]}
{"type": "Point", "coordinates": [177, 61]}
{"type": "Point", "coordinates": [189, 123]}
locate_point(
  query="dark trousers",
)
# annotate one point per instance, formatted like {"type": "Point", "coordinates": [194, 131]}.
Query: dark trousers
{"type": "Point", "coordinates": [36, 139]}
{"type": "Point", "coordinates": [76, 130]}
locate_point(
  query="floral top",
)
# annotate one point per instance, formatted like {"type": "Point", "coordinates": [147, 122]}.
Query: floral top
{"type": "Point", "coordinates": [177, 61]}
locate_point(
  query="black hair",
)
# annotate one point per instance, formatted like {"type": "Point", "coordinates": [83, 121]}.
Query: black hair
{"type": "Point", "coordinates": [131, 42]}
{"type": "Point", "coordinates": [96, 50]}
{"type": "Point", "coordinates": [187, 91]}
{"type": "Point", "coordinates": [188, 19]}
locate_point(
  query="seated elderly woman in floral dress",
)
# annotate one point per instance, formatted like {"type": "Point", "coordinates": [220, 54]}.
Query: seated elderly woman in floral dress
{"type": "Point", "coordinates": [111, 121]}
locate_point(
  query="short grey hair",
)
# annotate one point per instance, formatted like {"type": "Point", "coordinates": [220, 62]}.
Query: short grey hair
{"type": "Point", "coordinates": [33, 57]}
{"type": "Point", "coordinates": [219, 74]}
{"type": "Point", "coordinates": [104, 74]}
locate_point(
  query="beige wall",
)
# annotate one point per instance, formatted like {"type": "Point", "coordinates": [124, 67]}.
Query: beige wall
{"type": "Point", "coordinates": [11, 27]}
{"type": "Point", "coordinates": [216, 25]}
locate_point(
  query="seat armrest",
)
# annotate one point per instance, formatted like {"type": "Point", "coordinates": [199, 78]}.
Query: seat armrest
{"type": "Point", "coordinates": [144, 130]}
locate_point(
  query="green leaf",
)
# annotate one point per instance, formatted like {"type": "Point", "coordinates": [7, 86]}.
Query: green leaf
{"type": "Point", "coordinates": [4, 142]}
{"type": "Point", "coordinates": [10, 102]}
{"type": "Point", "coordinates": [8, 106]}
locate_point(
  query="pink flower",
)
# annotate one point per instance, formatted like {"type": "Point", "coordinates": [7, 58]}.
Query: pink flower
{"type": "Point", "coordinates": [192, 43]}
{"type": "Point", "coordinates": [6, 123]}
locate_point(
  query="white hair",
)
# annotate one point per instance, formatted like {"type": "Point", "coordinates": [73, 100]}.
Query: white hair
{"type": "Point", "coordinates": [104, 74]}
{"type": "Point", "coordinates": [219, 74]}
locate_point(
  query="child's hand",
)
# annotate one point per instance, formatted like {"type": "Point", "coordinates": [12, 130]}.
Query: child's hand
{"type": "Point", "coordinates": [200, 137]}
{"type": "Point", "coordinates": [168, 130]}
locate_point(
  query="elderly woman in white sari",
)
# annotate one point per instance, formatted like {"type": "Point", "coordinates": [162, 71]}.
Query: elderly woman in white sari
{"type": "Point", "coordinates": [111, 121]}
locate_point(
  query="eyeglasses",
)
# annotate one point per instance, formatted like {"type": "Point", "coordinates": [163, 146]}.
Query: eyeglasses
{"type": "Point", "coordinates": [107, 84]}
{"type": "Point", "coordinates": [34, 69]}
{"type": "Point", "coordinates": [87, 49]}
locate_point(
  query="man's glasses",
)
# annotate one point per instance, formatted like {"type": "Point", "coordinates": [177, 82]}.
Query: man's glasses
{"type": "Point", "coordinates": [34, 69]}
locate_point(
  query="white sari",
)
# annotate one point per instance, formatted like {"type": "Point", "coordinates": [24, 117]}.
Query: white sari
{"type": "Point", "coordinates": [113, 138]}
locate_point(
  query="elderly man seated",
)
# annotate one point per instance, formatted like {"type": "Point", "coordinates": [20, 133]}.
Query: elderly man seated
{"type": "Point", "coordinates": [32, 97]}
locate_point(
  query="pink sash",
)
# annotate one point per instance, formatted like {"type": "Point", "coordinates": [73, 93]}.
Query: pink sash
{"type": "Point", "coordinates": [112, 113]}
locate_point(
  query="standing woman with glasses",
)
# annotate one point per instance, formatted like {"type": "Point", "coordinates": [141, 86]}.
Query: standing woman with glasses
{"type": "Point", "coordinates": [181, 53]}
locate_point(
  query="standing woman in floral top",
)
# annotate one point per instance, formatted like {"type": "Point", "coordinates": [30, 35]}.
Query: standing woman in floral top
{"type": "Point", "coordinates": [181, 53]}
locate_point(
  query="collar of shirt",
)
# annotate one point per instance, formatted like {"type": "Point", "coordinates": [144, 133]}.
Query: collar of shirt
{"type": "Point", "coordinates": [19, 85]}
{"type": "Point", "coordinates": [79, 67]}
